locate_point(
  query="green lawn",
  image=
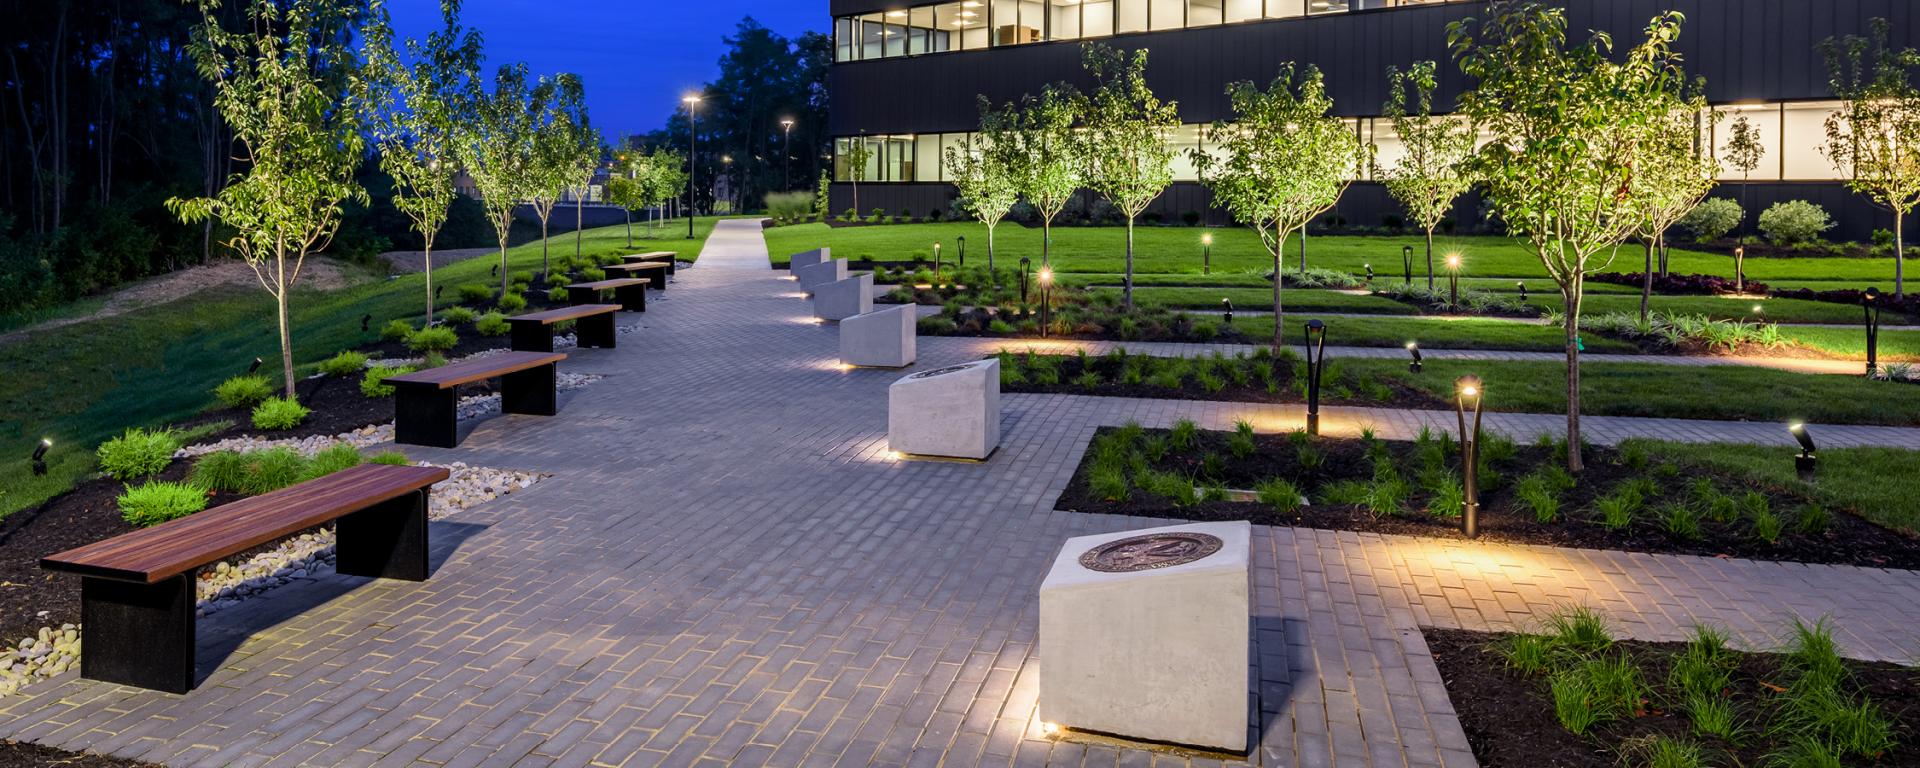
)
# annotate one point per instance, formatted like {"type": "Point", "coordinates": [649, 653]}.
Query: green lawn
{"type": "Point", "coordinates": [1671, 391]}
{"type": "Point", "coordinates": [1879, 484]}
{"type": "Point", "coordinates": [1258, 299]}
{"type": "Point", "coordinates": [1466, 333]}
{"type": "Point", "coordinates": [1852, 342]}
{"type": "Point", "coordinates": [1720, 308]}
{"type": "Point", "coordinates": [83, 383]}
{"type": "Point", "coordinates": [1237, 249]}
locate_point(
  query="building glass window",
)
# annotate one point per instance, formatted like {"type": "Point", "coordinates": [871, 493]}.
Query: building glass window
{"type": "Point", "coordinates": [1803, 133]}
{"type": "Point", "coordinates": [1063, 19]}
{"type": "Point", "coordinates": [1765, 120]}
{"type": "Point", "coordinates": [1184, 140]}
{"type": "Point", "coordinates": [1131, 16]}
{"type": "Point", "coordinates": [843, 39]}
{"type": "Point", "coordinates": [1390, 150]}
{"type": "Point", "coordinates": [1286, 9]}
{"type": "Point", "coordinates": [947, 26]}
{"type": "Point", "coordinates": [921, 31]}
{"type": "Point", "coordinates": [896, 33]}
{"type": "Point", "coordinates": [1317, 7]}
{"type": "Point", "coordinates": [1096, 19]}
{"type": "Point", "coordinates": [1202, 13]}
{"type": "Point", "coordinates": [871, 32]}
{"type": "Point", "coordinates": [926, 157]}
{"type": "Point", "coordinates": [1242, 10]}
{"type": "Point", "coordinates": [1166, 14]}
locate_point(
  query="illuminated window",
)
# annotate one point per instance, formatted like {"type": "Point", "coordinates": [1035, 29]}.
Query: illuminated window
{"type": "Point", "coordinates": [1166, 14]}
{"type": "Point", "coordinates": [1202, 13]}
{"type": "Point", "coordinates": [843, 39]}
{"type": "Point", "coordinates": [1764, 120]}
{"type": "Point", "coordinates": [1063, 19]}
{"type": "Point", "coordinates": [1242, 10]}
{"type": "Point", "coordinates": [1803, 134]}
{"type": "Point", "coordinates": [1096, 18]}
{"type": "Point", "coordinates": [1286, 9]}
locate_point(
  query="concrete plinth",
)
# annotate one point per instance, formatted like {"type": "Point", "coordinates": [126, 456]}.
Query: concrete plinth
{"type": "Point", "coordinates": [814, 276]}
{"type": "Point", "coordinates": [841, 299]}
{"type": "Point", "coordinates": [808, 259]}
{"type": "Point", "coordinates": [1156, 654]}
{"type": "Point", "coordinates": [952, 412]}
{"type": "Point", "coordinates": [884, 338]}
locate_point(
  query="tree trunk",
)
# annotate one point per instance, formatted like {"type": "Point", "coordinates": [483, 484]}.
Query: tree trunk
{"type": "Point", "coordinates": [1279, 323]}
{"type": "Point", "coordinates": [1429, 260]}
{"type": "Point", "coordinates": [1046, 242]}
{"type": "Point", "coordinates": [1571, 293]}
{"type": "Point", "coordinates": [428, 256]}
{"type": "Point", "coordinates": [1126, 291]}
{"type": "Point", "coordinates": [1646, 282]}
{"type": "Point", "coordinates": [628, 215]}
{"type": "Point", "coordinates": [1303, 251]}
{"type": "Point", "coordinates": [286, 334]}
{"type": "Point", "coordinates": [993, 277]}
{"type": "Point", "coordinates": [577, 222]}
{"type": "Point", "coordinates": [544, 268]}
{"type": "Point", "coordinates": [1899, 258]}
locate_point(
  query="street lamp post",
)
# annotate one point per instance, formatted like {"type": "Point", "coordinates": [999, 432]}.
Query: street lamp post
{"type": "Point", "coordinates": [786, 153]}
{"type": "Point", "coordinates": [1206, 253]}
{"type": "Point", "coordinates": [693, 167]}
{"type": "Point", "coordinates": [1870, 304]}
{"type": "Point", "coordinates": [1316, 361]}
{"type": "Point", "coordinates": [1468, 395]}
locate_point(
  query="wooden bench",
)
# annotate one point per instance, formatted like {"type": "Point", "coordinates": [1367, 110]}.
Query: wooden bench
{"type": "Point", "coordinates": [426, 408]}
{"type": "Point", "coordinates": [655, 271]}
{"type": "Point", "coordinates": [629, 292]}
{"type": "Point", "coordinates": [668, 258]}
{"type": "Point", "coordinates": [137, 597]}
{"type": "Point", "coordinates": [593, 327]}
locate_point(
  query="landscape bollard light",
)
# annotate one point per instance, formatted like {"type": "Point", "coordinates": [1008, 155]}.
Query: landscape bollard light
{"type": "Point", "coordinates": [1803, 463]}
{"type": "Point", "coordinates": [1413, 348]}
{"type": "Point", "coordinates": [1453, 281]}
{"type": "Point", "coordinates": [1026, 268]}
{"type": "Point", "coordinates": [1468, 394]}
{"type": "Point", "coordinates": [936, 263]}
{"type": "Point", "coordinates": [40, 456]}
{"type": "Point", "coordinates": [1739, 269]}
{"type": "Point", "coordinates": [1760, 311]}
{"type": "Point", "coordinates": [1046, 299]}
{"type": "Point", "coordinates": [1227, 305]}
{"type": "Point", "coordinates": [1406, 260]}
{"type": "Point", "coordinates": [1369, 268]}
{"type": "Point", "coordinates": [1206, 253]}
{"type": "Point", "coordinates": [1316, 359]}
{"type": "Point", "coordinates": [1870, 304]}
{"type": "Point", "coordinates": [254, 367]}
{"type": "Point", "coordinates": [1522, 285]}
{"type": "Point", "coordinates": [963, 250]}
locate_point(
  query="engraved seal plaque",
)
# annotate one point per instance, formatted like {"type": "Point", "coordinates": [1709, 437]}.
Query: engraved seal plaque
{"type": "Point", "coordinates": [1154, 550]}
{"type": "Point", "coordinates": [941, 371]}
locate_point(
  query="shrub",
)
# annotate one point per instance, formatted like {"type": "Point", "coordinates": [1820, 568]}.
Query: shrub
{"type": "Point", "coordinates": [520, 276]}
{"type": "Point", "coordinates": [511, 302]}
{"type": "Point", "coordinates": [334, 458]}
{"type": "Point", "coordinates": [220, 471]}
{"type": "Point", "coordinates": [593, 275]}
{"type": "Point", "coordinates": [252, 472]}
{"type": "Point", "coordinates": [374, 384]}
{"type": "Point", "coordinates": [344, 364]}
{"type": "Point", "coordinates": [279, 413]}
{"type": "Point", "coordinates": [394, 458]}
{"type": "Point", "coordinates": [491, 324]}
{"type": "Point", "coordinates": [789, 206]}
{"type": "Point", "coordinates": [1712, 219]}
{"type": "Point", "coordinates": [395, 330]}
{"type": "Point", "coordinates": [137, 453]}
{"type": "Point", "coordinates": [474, 293]}
{"type": "Point", "coordinates": [157, 502]}
{"type": "Point", "coordinates": [1536, 494]}
{"type": "Point", "coordinates": [457, 315]}
{"type": "Point", "coordinates": [243, 391]}
{"type": "Point", "coordinates": [1794, 222]}
{"type": "Point", "coordinates": [1528, 654]}
{"type": "Point", "coordinates": [1279, 494]}
{"type": "Point", "coordinates": [434, 339]}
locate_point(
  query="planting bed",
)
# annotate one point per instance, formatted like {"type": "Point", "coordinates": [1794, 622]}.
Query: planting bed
{"type": "Point", "coordinates": [17, 754]}
{"type": "Point", "coordinates": [1784, 709]}
{"type": "Point", "coordinates": [1627, 499]}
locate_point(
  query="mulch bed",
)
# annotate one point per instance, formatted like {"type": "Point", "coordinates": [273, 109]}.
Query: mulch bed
{"type": "Point", "coordinates": [1509, 718]}
{"type": "Point", "coordinates": [1404, 396]}
{"type": "Point", "coordinates": [1848, 540]}
{"type": "Point", "coordinates": [17, 754]}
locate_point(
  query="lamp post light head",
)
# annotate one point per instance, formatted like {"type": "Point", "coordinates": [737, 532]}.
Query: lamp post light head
{"type": "Point", "coordinates": [1870, 295]}
{"type": "Point", "coordinates": [1453, 261]}
{"type": "Point", "coordinates": [786, 123]}
{"type": "Point", "coordinates": [1406, 250]}
{"type": "Point", "coordinates": [1470, 390]}
{"type": "Point", "coordinates": [1046, 276]}
{"type": "Point", "coordinates": [1316, 326]}
{"type": "Point", "coordinates": [1206, 238]}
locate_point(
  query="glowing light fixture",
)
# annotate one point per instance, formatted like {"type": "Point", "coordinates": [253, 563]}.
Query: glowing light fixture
{"type": "Point", "coordinates": [1469, 393]}
{"type": "Point", "coordinates": [40, 456]}
{"type": "Point", "coordinates": [1803, 464]}
{"type": "Point", "coordinates": [1413, 348]}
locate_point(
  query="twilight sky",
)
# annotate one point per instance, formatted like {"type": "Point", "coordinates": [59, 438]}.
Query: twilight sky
{"type": "Point", "coordinates": [637, 56]}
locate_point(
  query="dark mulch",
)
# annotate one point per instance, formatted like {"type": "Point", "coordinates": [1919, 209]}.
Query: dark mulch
{"type": "Point", "coordinates": [1848, 539]}
{"type": "Point", "coordinates": [1332, 392]}
{"type": "Point", "coordinates": [17, 754]}
{"type": "Point", "coordinates": [1510, 723]}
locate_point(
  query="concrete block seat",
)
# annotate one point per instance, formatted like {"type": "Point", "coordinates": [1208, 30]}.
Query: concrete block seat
{"type": "Point", "coordinates": [814, 276]}
{"type": "Point", "coordinates": [807, 259]}
{"type": "Point", "coordinates": [884, 338]}
{"type": "Point", "coordinates": [951, 412]}
{"type": "Point", "coordinates": [842, 299]}
{"type": "Point", "coordinates": [1144, 634]}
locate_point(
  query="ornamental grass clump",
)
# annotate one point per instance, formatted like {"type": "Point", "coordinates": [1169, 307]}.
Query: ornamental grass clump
{"type": "Point", "coordinates": [1283, 496]}
{"type": "Point", "coordinates": [396, 330]}
{"type": "Point", "coordinates": [345, 364]}
{"type": "Point", "coordinates": [243, 391]}
{"type": "Point", "coordinates": [374, 383]}
{"type": "Point", "coordinates": [159, 501]}
{"type": "Point", "coordinates": [277, 413]}
{"type": "Point", "coordinates": [433, 339]}
{"type": "Point", "coordinates": [457, 315]}
{"type": "Point", "coordinates": [491, 324]}
{"type": "Point", "coordinates": [138, 453]}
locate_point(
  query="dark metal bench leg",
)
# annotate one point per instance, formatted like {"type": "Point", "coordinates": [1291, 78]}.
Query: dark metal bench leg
{"type": "Point", "coordinates": [139, 634]}
{"type": "Point", "coordinates": [660, 279]}
{"type": "Point", "coordinates": [595, 331]}
{"type": "Point", "coordinates": [425, 415]}
{"type": "Point", "coordinates": [528, 336]}
{"type": "Point", "coordinates": [533, 391]}
{"type": "Point", "coordinates": [632, 298]}
{"type": "Point", "coordinates": [582, 296]}
{"type": "Point", "coordinates": [386, 541]}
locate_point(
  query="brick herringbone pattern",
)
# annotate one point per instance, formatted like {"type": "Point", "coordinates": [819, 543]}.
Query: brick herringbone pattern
{"type": "Point", "coordinates": [728, 568]}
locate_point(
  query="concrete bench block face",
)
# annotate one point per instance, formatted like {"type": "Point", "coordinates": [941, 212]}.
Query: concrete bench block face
{"type": "Point", "coordinates": [1144, 634]}
{"type": "Point", "coordinates": [808, 259]}
{"type": "Point", "coordinates": [952, 412]}
{"type": "Point", "coordinates": [841, 299]}
{"type": "Point", "coordinates": [886, 338]}
{"type": "Point", "coordinates": [812, 277]}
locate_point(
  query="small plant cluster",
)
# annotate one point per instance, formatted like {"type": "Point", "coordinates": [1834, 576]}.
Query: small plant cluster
{"type": "Point", "coordinates": [1680, 331]}
{"type": "Point", "coordinates": [247, 473]}
{"type": "Point", "coordinates": [344, 365]}
{"type": "Point", "coordinates": [243, 391]}
{"type": "Point", "coordinates": [1689, 284]}
{"type": "Point", "coordinates": [374, 383]}
{"type": "Point", "coordinates": [1794, 222]}
{"type": "Point", "coordinates": [1472, 302]}
{"type": "Point", "coordinates": [279, 413]}
{"type": "Point", "coordinates": [1282, 376]}
{"type": "Point", "coordinates": [974, 303]}
{"type": "Point", "coordinates": [1800, 708]}
{"type": "Point", "coordinates": [1321, 278]}
{"type": "Point", "coordinates": [138, 453]}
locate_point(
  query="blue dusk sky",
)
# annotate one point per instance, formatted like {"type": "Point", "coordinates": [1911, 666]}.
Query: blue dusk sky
{"type": "Point", "coordinates": [637, 57]}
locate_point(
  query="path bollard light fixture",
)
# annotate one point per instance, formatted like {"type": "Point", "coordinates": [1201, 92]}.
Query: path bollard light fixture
{"type": "Point", "coordinates": [1026, 268]}
{"type": "Point", "coordinates": [254, 367]}
{"type": "Point", "coordinates": [1226, 305]}
{"type": "Point", "coordinates": [1369, 268]}
{"type": "Point", "coordinates": [1046, 299]}
{"type": "Point", "coordinates": [936, 263]}
{"type": "Point", "coordinates": [1739, 269]}
{"type": "Point", "coordinates": [1406, 260]}
{"type": "Point", "coordinates": [962, 240]}
{"type": "Point", "coordinates": [1206, 253]}
{"type": "Point", "coordinates": [1316, 360]}
{"type": "Point", "coordinates": [1453, 281]}
{"type": "Point", "coordinates": [1413, 349]}
{"type": "Point", "coordinates": [1803, 464]}
{"type": "Point", "coordinates": [1870, 304]}
{"type": "Point", "coordinates": [40, 456]}
{"type": "Point", "coordinates": [1522, 285]}
{"type": "Point", "coordinates": [1468, 394]}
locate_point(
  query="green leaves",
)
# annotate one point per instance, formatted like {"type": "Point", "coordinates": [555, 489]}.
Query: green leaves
{"type": "Point", "coordinates": [1433, 172]}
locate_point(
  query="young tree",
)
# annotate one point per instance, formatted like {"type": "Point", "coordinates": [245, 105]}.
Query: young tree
{"type": "Point", "coordinates": [983, 177]}
{"type": "Point", "coordinates": [1744, 150]}
{"type": "Point", "coordinates": [292, 91]}
{"type": "Point", "coordinates": [857, 156]}
{"type": "Point", "coordinates": [1565, 123]}
{"type": "Point", "coordinates": [1672, 177]}
{"type": "Point", "coordinates": [666, 175]}
{"type": "Point", "coordinates": [1874, 137]}
{"type": "Point", "coordinates": [498, 150]}
{"type": "Point", "coordinates": [556, 149]}
{"type": "Point", "coordinates": [1282, 160]}
{"type": "Point", "coordinates": [1433, 172]}
{"type": "Point", "coordinates": [1129, 160]}
{"type": "Point", "coordinates": [418, 111]}
{"type": "Point", "coordinates": [586, 163]}
{"type": "Point", "coordinates": [1049, 167]}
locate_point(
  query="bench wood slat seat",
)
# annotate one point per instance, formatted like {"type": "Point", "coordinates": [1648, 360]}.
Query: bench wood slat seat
{"type": "Point", "coordinates": [593, 327]}
{"type": "Point", "coordinates": [669, 258]}
{"type": "Point", "coordinates": [629, 292]}
{"type": "Point", "coordinates": [137, 590]}
{"type": "Point", "coordinates": [426, 407]}
{"type": "Point", "coordinates": [655, 270]}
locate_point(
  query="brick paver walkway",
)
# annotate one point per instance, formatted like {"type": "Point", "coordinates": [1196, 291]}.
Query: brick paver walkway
{"type": "Point", "coordinates": [727, 568]}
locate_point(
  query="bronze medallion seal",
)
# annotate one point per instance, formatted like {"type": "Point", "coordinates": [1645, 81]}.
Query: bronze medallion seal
{"type": "Point", "coordinates": [1150, 551]}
